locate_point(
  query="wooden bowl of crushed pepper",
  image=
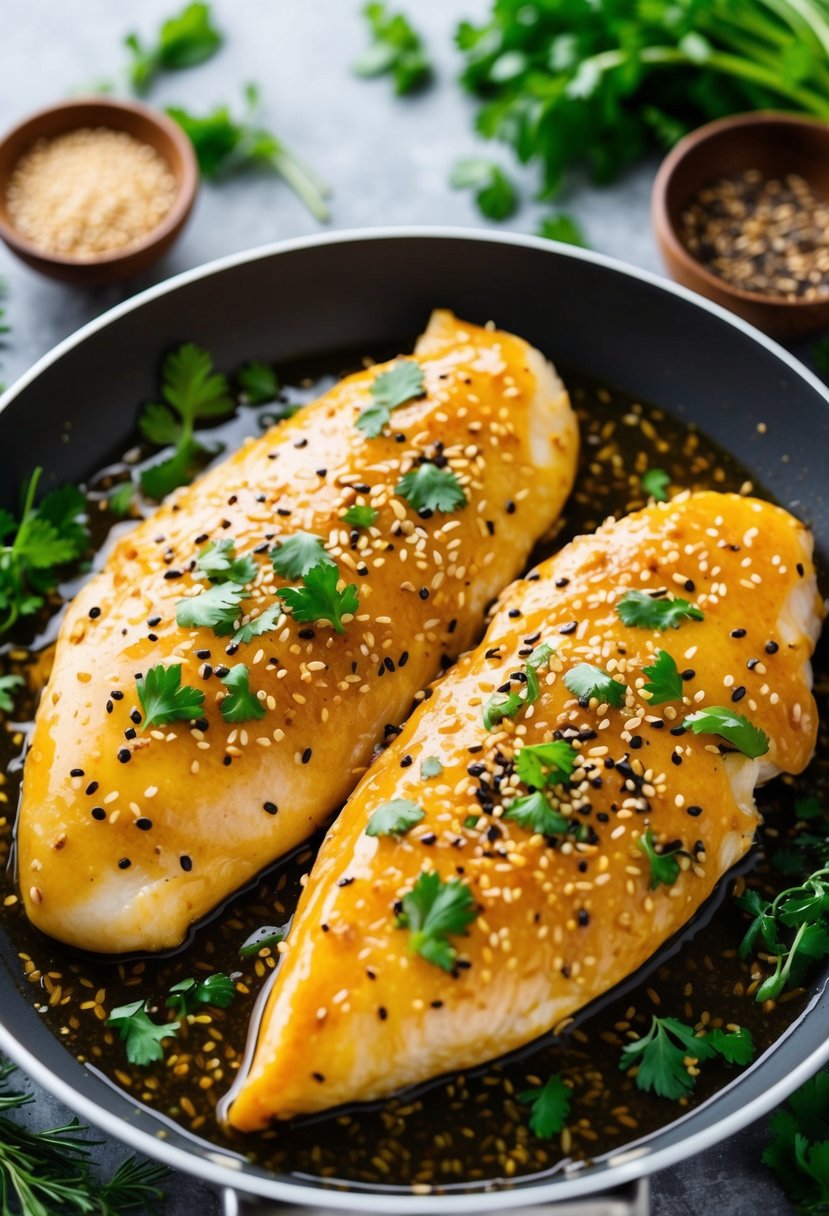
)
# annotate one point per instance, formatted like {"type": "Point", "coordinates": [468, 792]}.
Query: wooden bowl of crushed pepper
{"type": "Point", "coordinates": [740, 209]}
{"type": "Point", "coordinates": [93, 190]}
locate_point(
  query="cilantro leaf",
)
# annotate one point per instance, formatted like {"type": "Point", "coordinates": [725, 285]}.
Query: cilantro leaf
{"type": "Point", "coordinates": [216, 608]}
{"type": "Point", "coordinates": [265, 935]}
{"type": "Point", "coordinates": [733, 727]}
{"type": "Point", "coordinates": [471, 821]}
{"type": "Point", "coordinates": [223, 144]}
{"type": "Point", "coordinates": [506, 704]}
{"type": "Point", "coordinates": [432, 912]}
{"type": "Point", "coordinates": [396, 50]}
{"type": "Point", "coordinates": [7, 683]}
{"type": "Point", "coordinates": [540, 656]}
{"type": "Point", "coordinates": [299, 553]}
{"type": "Point", "coordinates": [660, 1057]}
{"type": "Point", "coordinates": [240, 705]}
{"type": "Point", "coordinates": [550, 1107]}
{"type": "Point", "coordinates": [540, 764]}
{"type": "Point", "coordinates": [642, 611]}
{"type": "Point", "coordinates": [218, 563]}
{"type": "Point", "coordinates": [122, 498]}
{"type": "Point", "coordinates": [254, 628]}
{"type": "Point", "coordinates": [430, 766]}
{"type": "Point", "coordinates": [401, 383]}
{"type": "Point", "coordinates": [535, 813]}
{"type": "Point", "coordinates": [258, 382]}
{"type": "Point", "coordinates": [586, 681]}
{"type": "Point", "coordinates": [184, 40]}
{"type": "Point", "coordinates": [360, 516]}
{"type": "Point", "coordinates": [664, 681]}
{"type": "Point", "coordinates": [798, 1151]}
{"type": "Point", "coordinates": [559, 226]}
{"type": "Point", "coordinates": [319, 600]}
{"type": "Point", "coordinates": [794, 928]}
{"type": "Point", "coordinates": [164, 700]}
{"type": "Point", "coordinates": [192, 393]}
{"type": "Point", "coordinates": [494, 192]}
{"type": "Point", "coordinates": [655, 484]}
{"type": "Point", "coordinates": [737, 1046]}
{"type": "Point", "coordinates": [143, 1037]}
{"type": "Point", "coordinates": [428, 488]}
{"type": "Point", "coordinates": [394, 818]}
{"type": "Point", "coordinates": [187, 995]}
{"type": "Point", "coordinates": [664, 866]}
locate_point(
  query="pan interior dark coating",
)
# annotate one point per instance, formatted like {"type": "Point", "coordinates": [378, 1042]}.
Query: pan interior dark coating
{"type": "Point", "coordinates": [358, 292]}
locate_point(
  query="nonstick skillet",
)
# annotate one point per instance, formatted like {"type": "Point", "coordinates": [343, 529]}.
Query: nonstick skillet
{"type": "Point", "coordinates": [367, 290]}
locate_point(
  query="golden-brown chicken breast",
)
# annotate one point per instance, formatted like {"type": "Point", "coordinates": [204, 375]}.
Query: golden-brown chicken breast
{"type": "Point", "coordinates": [218, 688]}
{"type": "Point", "coordinates": [551, 816]}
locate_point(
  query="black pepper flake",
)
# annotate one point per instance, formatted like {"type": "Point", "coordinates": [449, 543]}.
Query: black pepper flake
{"type": "Point", "coordinates": [318, 1076]}
{"type": "Point", "coordinates": [771, 648]}
{"type": "Point", "coordinates": [270, 807]}
{"type": "Point", "coordinates": [124, 863]}
{"type": "Point", "coordinates": [570, 627]}
{"type": "Point", "coordinates": [693, 811]}
{"type": "Point", "coordinates": [124, 755]}
{"type": "Point", "coordinates": [306, 755]}
{"type": "Point", "coordinates": [98, 813]}
{"type": "Point", "coordinates": [143, 824]}
{"type": "Point", "coordinates": [186, 863]}
{"type": "Point", "coordinates": [94, 613]}
{"type": "Point", "coordinates": [738, 693]}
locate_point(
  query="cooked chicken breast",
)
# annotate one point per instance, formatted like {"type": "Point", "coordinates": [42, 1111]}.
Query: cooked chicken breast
{"type": "Point", "coordinates": [130, 830]}
{"type": "Point", "coordinates": [509, 894]}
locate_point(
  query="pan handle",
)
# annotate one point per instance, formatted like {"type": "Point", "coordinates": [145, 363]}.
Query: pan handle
{"type": "Point", "coordinates": [632, 1199]}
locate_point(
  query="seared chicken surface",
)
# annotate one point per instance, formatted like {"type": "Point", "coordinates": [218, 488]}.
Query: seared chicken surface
{"type": "Point", "coordinates": [129, 831]}
{"type": "Point", "coordinates": [473, 894]}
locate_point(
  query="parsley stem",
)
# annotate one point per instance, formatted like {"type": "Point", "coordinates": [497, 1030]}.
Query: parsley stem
{"type": "Point", "coordinates": [307, 186]}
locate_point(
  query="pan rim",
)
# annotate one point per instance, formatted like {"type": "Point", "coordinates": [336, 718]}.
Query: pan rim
{"type": "Point", "coordinates": [517, 1194]}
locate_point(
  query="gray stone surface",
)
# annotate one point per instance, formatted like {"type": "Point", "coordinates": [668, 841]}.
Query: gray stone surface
{"type": "Point", "coordinates": [387, 162]}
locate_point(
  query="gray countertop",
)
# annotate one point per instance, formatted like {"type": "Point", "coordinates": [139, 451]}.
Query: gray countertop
{"type": "Point", "coordinates": [387, 162]}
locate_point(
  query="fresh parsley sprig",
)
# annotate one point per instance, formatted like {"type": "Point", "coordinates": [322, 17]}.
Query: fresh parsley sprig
{"type": "Point", "coordinates": [360, 516]}
{"type": "Point", "coordinates": [258, 383]}
{"type": "Point", "coordinates": [586, 681]}
{"type": "Point", "coordinates": [193, 392]}
{"type": "Point", "coordinates": [142, 1036]}
{"type": "Point", "coordinates": [655, 484]}
{"type": "Point", "coordinates": [37, 547]}
{"type": "Point", "coordinates": [735, 728]}
{"type": "Point", "coordinates": [318, 599]}
{"type": "Point", "coordinates": [224, 144]}
{"type": "Point", "coordinates": [540, 764]}
{"type": "Point", "coordinates": [267, 620]}
{"type": "Point", "coordinates": [394, 818]}
{"type": "Point", "coordinates": [184, 41]}
{"type": "Point", "coordinates": [298, 554]}
{"type": "Point", "coordinates": [218, 563]}
{"type": "Point", "coordinates": [432, 912]}
{"type": "Point", "coordinates": [536, 813]}
{"type": "Point", "coordinates": [640, 610]}
{"type": "Point", "coordinates": [794, 927]}
{"type": "Point", "coordinates": [429, 488]}
{"type": "Point", "coordinates": [396, 50]}
{"type": "Point", "coordinates": [495, 193]}
{"type": "Point", "coordinates": [664, 682]}
{"type": "Point", "coordinates": [550, 1105]}
{"type": "Point", "coordinates": [216, 608]}
{"type": "Point", "coordinates": [188, 995]}
{"type": "Point", "coordinates": [164, 700]}
{"type": "Point", "coordinates": [798, 1151]}
{"type": "Point", "coordinates": [240, 705]}
{"type": "Point", "coordinates": [663, 1055]}
{"type": "Point", "coordinates": [401, 383]}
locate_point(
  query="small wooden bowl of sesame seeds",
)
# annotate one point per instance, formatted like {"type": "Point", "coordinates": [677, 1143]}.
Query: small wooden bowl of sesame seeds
{"type": "Point", "coordinates": [93, 190]}
{"type": "Point", "coordinates": [740, 208]}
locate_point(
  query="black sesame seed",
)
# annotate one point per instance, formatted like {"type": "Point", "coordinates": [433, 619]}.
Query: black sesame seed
{"type": "Point", "coordinates": [306, 755]}
{"type": "Point", "coordinates": [510, 507]}
{"type": "Point", "coordinates": [152, 637]}
{"type": "Point", "coordinates": [227, 761]}
{"type": "Point", "coordinates": [738, 633]}
{"type": "Point", "coordinates": [270, 807]}
{"type": "Point", "coordinates": [124, 755]}
{"type": "Point", "coordinates": [143, 824]}
{"type": "Point", "coordinates": [688, 674]}
{"type": "Point", "coordinates": [76, 772]}
{"type": "Point", "coordinates": [514, 613]}
{"type": "Point", "coordinates": [344, 882]}
{"type": "Point", "coordinates": [94, 613]}
{"type": "Point", "coordinates": [318, 1076]}
{"type": "Point", "coordinates": [583, 917]}
{"type": "Point", "coordinates": [676, 758]}
{"type": "Point", "coordinates": [570, 627]}
{"type": "Point", "coordinates": [771, 648]}
{"type": "Point", "coordinates": [202, 654]}
{"type": "Point", "coordinates": [186, 863]}
{"type": "Point", "coordinates": [800, 570]}
{"type": "Point", "coordinates": [170, 575]}
{"type": "Point", "coordinates": [636, 742]}
{"type": "Point", "coordinates": [738, 693]}
{"type": "Point", "coordinates": [200, 539]}
{"type": "Point", "coordinates": [301, 443]}
{"type": "Point", "coordinates": [109, 707]}
{"type": "Point", "coordinates": [124, 863]}
{"type": "Point", "coordinates": [307, 634]}
{"type": "Point", "coordinates": [403, 660]}
{"type": "Point", "coordinates": [130, 732]}
{"type": "Point", "coordinates": [429, 838]}
{"type": "Point", "coordinates": [135, 717]}
{"type": "Point", "coordinates": [490, 527]}
{"type": "Point", "coordinates": [98, 813]}
{"type": "Point", "coordinates": [424, 593]}
{"type": "Point", "coordinates": [153, 621]}
{"type": "Point", "coordinates": [690, 585]}
{"type": "Point", "coordinates": [221, 671]}
{"type": "Point", "coordinates": [752, 663]}
{"type": "Point", "coordinates": [405, 762]}
{"type": "Point", "coordinates": [382, 1013]}
{"type": "Point", "coordinates": [117, 695]}
{"type": "Point", "coordinates": [694, 811]}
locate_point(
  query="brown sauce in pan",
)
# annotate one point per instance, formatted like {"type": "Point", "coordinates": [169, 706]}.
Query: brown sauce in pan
{"type": "Point", "coordinates": [461, 1129]}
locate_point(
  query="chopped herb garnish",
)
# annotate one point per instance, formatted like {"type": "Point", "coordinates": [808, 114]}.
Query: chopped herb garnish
{"type": "Point", "coordinates": [535, 813]}
{"type": "Point", "coordinates": [507, 704]}
{"type": "Point", "coordinates": [7, 684]}
{"type": "Point", "coordinates": [264, 623]}
{"type": "Point", "coordinates": [663, 1056]}
{"type": "Point", "coordinates": [430, 767]}
{"type": "Point", "coordinates": [240, 705]}
{"type": "Point", "coordinates": [394, 818]}
{"type": "Point", "coordinates": [218, 563]}
{"type": "Point", "coordinates": [495, 194]}
{"type": "Point", "coordinates": [794, 928]}
{"type": "Point", "coordinates": [258, 382]}
{"type": "Point", "coordinates": [217, 990]}
{"type": "Point", "coordinates": [587, 681]}
{"type": "Point", "coordinates": [299, 553]}
{"type": "Point", "coordinates": [550, 1107]}
{"type": "Point", "coordinates": [217, 608]}
{"type": "Point", "coordinates": [799, 1149]}
{"type": "Point", "coordinates": [360, 516]}
{"type": "Point", "coordinates": [664, 682]}
{"type": "Point", "coordinates": [397, 50]}
{"type": "Point", "coordinates": [664, 866]}
{"type": "Point", "coordinates": [122, 498]}
{"type": "Point", "coordinates": [471, 821]}
{"type": "Point", "coordinates": [655, 484]}
{"type": "Point", "coordinates": [432, 911]}
{"type": "Point", "coordinates": [265, 935]}
{"type": "Point", "coordinates": [45, 539]}
{"type": "Point", "coordinates": [184, 40]}
{"type": "Point", "coordinates": [540, 764]}
{"type": "Point", "coordinates": [142, 1036]}
{"type": "Point", "coordinates": [731, 726]}
{"type": "Point", "coordinates": [164, 700]}
{"type": "Point", "coordinates": [642, 611]}
{"type": "Point", "coordinates": [428, 488]}
{"type": "Point", "coordinates": [541, 656]}
{"type": "Point", "coordinates": [401, 383]}
{"type": "Point", "coordinates": [562, 227]}
{"type": "Point", "coordinates": [319, 600]}
{"type": "Point", "coordinates": [192, 393]}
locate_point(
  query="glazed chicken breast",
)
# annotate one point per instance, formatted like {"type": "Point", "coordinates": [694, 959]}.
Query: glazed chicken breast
{"type": "Point", "coordinates": [563, 803]}
{"type": "Point", "coordinates": [198, 722]}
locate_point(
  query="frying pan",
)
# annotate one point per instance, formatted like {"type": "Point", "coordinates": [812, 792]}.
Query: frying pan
{"type": "Point", "coordinates": [367, 290]}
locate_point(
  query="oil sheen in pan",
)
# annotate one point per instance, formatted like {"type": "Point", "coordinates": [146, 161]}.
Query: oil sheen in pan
{"type": "Point", "coordinates": [459, 1129]}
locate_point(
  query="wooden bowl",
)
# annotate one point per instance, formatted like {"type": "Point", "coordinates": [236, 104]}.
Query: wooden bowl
{"type": "Point", "coordinates": [148, 125]}
{"type": "Point", "coordinates": [776, 144]}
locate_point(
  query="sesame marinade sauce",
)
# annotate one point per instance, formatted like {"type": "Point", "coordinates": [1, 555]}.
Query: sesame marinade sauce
{"type": "Point", "coordinates": [458, 1130]}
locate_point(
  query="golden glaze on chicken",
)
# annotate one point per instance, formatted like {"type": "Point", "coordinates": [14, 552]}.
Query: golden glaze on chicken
{"type": "Point", "coordinates": [353, 1014]}
{"type": "Point", "coordinates": [126, 837]}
